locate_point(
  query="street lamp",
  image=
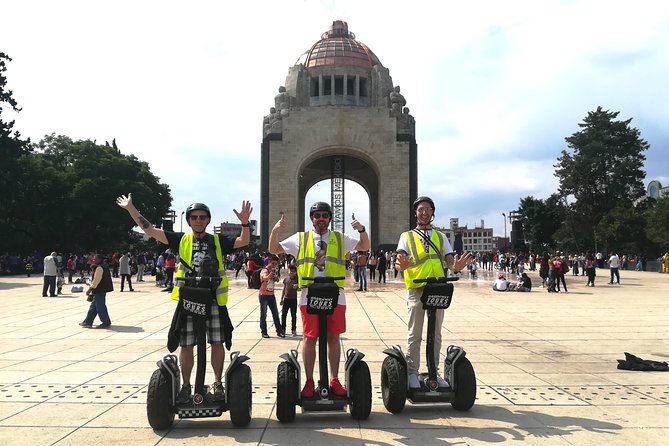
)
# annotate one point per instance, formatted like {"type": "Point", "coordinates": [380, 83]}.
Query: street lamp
{"type": "Point", "coordinates": [182, 221]}
{"type": "Point", "coordinates": [505, 242]}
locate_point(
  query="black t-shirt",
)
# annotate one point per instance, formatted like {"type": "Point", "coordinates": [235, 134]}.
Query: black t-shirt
{"type": "Point", "coordinates": [201, 248]}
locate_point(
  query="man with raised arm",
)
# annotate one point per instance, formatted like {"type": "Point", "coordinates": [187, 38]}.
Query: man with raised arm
{"type": "Point", "coordinates": [320, 253]}
{"type": "Point", "coordinates": [193, 249]}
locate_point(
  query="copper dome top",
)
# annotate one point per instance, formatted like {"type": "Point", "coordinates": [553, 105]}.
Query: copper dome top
{"type": "Point", "coordinates": [338, 47]}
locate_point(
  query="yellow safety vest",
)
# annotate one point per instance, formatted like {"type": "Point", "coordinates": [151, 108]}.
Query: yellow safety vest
{"type": "Point", "coordinates": [335, 263]}
{"type": "Point", "coordinates": [425, 264]}
{"type": "Point", "coordinates": [186, 255]}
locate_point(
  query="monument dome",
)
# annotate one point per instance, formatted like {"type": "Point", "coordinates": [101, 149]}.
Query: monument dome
{"type": "Point", "coordinates": [338, 47]}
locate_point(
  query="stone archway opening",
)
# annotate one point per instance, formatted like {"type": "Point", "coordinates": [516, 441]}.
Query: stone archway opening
{"type": "Point", "coordinates": [356, 200]}
{"type": "Point", "coordinates": [317, 170]}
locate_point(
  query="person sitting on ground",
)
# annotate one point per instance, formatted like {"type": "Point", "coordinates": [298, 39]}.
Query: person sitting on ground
{"type": "Point", "coordinates": [524, 283]}
{"type": "Point", "coordinates": [501, 284]}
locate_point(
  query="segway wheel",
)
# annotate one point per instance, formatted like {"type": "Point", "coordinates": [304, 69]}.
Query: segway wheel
{"type": "Point", "coordinates": [240, 391]}
{"type": "Point", "coordinates": [360, 389]}
{"type": "Point", "coordinates": [286, 392]}
{"type": "Point", "coordinates": [465, 385]}
{"type": "Point", "coordinates": [159, 408]}
{"type": "Point", "coordinates": [393, 384]}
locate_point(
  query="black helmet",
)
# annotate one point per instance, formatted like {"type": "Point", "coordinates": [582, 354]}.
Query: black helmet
{"type": "Point", "coordinates": [197, 207]}
{"type": "Point", "coordinates": [421, 199]}
{"type": "Point", "coordinates": [320, 206]}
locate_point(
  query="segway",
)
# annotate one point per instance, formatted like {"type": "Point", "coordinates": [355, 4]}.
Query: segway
{"type": "Point", "coordinates": [195, 297]}
{"type": "Point", "coordinates": [322, 297]}
{"type": "Point", "coordinates": [459, 375]}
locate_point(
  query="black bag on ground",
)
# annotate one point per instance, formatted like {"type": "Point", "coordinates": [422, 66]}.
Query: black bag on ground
{"type": "Point", "coordinates": [196, 301]}
{"type": "Point", "coordinates": [632, 362]}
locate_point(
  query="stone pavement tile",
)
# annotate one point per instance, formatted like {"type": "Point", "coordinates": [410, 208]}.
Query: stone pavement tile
{"type": "Point", "coordinates": [611, 395]}
{"type": "Point", "coordinates": [121, 416]}
{"type": "Point", "coordinates": [111, 436]}
{"type": "Point", "coordinates": [33, 435]}
{"type": "Point", "coordinates": [93, 366]}
{"type": "Point", "coordinates": [98, 393]}
{"type": "Point", "coordinates": [13, 376]}
{"type": "Point", "coordinates": [56, 415]}
{"type": "Point", "coordinates": [37, 365]}
{"type": "Point", "coordinates": [10, 408]}
{"type": "Point", "coordinates": [314, 435]}
{"type": "Point", "coordinates": [210, 432]}
{"type": "Point", "coordinates": [627, 437]}
{"type": "Point", "coordinates": [37, 393]}
{"type": "Point", "coordinates": [573, 379]}
{"type": "Point", "coordinates": [114, 377]}
{"type": "Point", "coordinates": [525, 436]}
{"type": "Point", "coordinates": [538, 396]}
{"type": "Point", "coordinates": [638, 416]}
{"type": "Point", "coordinates": [410, 436]}
{"type": "Point", "coordinates": [508, 379]}
{"type": "Point", "coordinates": [660, 392]}
{"type": "Point", "coordinates": [637, 378]}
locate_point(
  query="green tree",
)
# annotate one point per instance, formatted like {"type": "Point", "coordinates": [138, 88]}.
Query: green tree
{"type": "Point", "coordinates": [624, 227]}
{"type": "Point", "coordinates": [602, 170]}
{"type": "Point", "coordinates": [12, 148]}
{"type": "Point", "coordinates": [541, 219]}
{"type": "Point", "coordinates": [657, 225]}
{"type": "Point", "coordinates": [72, 190]}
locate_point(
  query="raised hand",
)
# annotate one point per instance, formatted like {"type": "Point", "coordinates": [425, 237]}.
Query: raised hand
{"type": "Point", "coordinates": [125, 202]}
{"type": "Point", "coordinates": [245, 214]}
{"type": "Point", "coordinates": [281, 223]}
{"type": "Point", "coordinates": [355, 223]}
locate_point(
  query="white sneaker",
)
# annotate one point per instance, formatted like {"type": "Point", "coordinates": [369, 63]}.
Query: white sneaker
{"type": "Point", "coordinates": [441, 381]}
{"type": "Point", "coordinates": [413, 381]}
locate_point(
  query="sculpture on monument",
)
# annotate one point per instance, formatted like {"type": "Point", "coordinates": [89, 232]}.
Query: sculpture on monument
{"type": "Point", "coordinates": [406, 124]}
{"type": "Point", "coordinates": [397, 101]}
{"type": "Point", "coordinates": [282, 100]}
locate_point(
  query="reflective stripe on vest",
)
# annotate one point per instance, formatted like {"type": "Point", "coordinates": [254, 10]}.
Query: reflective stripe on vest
{"type": "Point", "coordinates": [186, 252]}
{"type": "Point", "coordinates": [335, 263]}
{"type": "Point", "coordinates": [425, 264]}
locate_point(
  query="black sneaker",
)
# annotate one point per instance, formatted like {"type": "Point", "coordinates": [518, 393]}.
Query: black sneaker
{"type": "Point", "coordinates": [217, 392]}
{"type": "Point", "coordinates": [183, 397]}
{"type": "Point", "coordinates": [281, 334]}
{"type": "Point", "coordinates": [265, 335]}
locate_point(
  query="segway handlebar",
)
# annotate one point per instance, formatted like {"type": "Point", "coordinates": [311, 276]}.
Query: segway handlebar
{"type": "Point", "coordinates": [323, 279]}
{"type": "Point", "coordinates": [436, 280]}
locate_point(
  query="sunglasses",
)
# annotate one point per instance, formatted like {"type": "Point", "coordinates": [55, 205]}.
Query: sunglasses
{"type": "Point", "coordinates": [318, 215]}
{"type": "Point", "coordinates": [196, 217]}
{"type": "Point", "coordinates": [424, 210]}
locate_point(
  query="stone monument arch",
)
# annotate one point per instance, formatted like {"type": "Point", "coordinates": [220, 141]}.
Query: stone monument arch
{"type": "Point", "coordinates": [338, 117]}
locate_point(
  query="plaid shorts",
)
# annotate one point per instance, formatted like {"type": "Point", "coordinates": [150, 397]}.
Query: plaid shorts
{"type": "Point", "coordinates": [214, 329]}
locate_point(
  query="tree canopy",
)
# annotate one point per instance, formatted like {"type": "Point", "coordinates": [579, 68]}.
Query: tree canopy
{"type": "Point", "coordinates": [72, 188]}
{"type": "Point", "coordinates": [602, 170]}
{"type": "Point", "coordinates": [599, 204]}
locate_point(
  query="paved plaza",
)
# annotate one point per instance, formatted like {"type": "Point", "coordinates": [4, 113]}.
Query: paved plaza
{"type": "Point", "coordinates": [545, 366]}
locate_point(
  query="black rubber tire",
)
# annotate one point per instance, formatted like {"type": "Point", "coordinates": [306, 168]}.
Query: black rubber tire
{"type": "Point", "coordinates": [240, 393]}
{"type": "Point", "coordinates": [393, 384]}
{"type": "Point", "coordinates": [286, 392]}
{"type": "Point", "coordinates": [465, 385]}
{"type": "Point", "coordinates": [159, 408]}
{"type": "Point", "coordinates": [360, 389]}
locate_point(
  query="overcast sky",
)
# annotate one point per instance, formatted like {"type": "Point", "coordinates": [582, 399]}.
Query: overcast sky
{"type": "Point", "coordinates": [494, 86]}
